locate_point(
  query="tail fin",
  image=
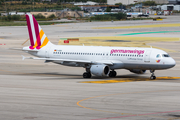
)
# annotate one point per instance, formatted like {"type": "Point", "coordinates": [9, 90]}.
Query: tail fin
{"type": "Point", "coordinates": [37, 37]}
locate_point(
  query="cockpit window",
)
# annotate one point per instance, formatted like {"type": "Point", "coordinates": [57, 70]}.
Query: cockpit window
{"type": "Point", "coordinates": [165, 55]}
{"type": "Point", "coordinates": [158, 56]}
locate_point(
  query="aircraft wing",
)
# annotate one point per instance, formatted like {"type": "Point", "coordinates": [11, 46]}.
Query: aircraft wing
{"type": "Point", "coordinates": [70, 60]}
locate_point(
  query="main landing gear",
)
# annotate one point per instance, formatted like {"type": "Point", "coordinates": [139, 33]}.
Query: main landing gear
{"type": "Point", "coordinates": [153, 77]}
{"type": "Point", "coordinates": [87, 75]}
{"type": "Point", "coordinates": [112, 73]}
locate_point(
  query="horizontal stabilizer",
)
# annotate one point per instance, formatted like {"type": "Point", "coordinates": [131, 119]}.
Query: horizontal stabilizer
{"type": "Point", "coordinates": [20, 49]}
{"type": "Point", "coordinates": [23, 58]}
{"type": "Point", "coordinates": [28, 49]}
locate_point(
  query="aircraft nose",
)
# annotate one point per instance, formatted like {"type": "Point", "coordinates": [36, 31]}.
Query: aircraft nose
{"type": "Point", "coordinates": [172, 62]}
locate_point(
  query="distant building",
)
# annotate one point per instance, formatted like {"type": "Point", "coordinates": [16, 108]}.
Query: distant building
{"type": "Point", "coordinates": [99, 8]}
{"type": "Point", "coordinates": [157, 1]}
{"type": "Point", "coordinates": [14, 13]}
{"type": "Point", "coordinates": [126, 2]}
{"type": "Point", "coordinates": [174, 1]}
{"type": "Point", "coordinates": [75, 14]}
{"type": "Point", "coordinates": [46, 0]}
{"type": "Point", "coordinates": [170, 7]}
{"type": "Point", "coordinates": [86, 3]}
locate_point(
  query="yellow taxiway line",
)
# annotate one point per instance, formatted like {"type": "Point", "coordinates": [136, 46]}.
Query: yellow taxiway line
{"type": "Point", "coordinates": [130, 80]}
{"type": "Point", "coordinates": [106, 111]}
{"type": "Point", "coordinates": [141, 26]}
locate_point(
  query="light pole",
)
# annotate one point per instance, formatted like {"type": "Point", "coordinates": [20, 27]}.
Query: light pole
{"type": "Point", "coordinates": [33, 5]}
{"type": "Point", "coordinates": [5, 6]}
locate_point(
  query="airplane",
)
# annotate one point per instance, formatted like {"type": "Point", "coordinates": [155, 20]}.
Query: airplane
{"type": "Point", "coordinates": [97, 60]}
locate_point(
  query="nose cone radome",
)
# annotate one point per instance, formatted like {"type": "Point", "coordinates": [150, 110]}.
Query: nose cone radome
{"type": "Point", "coordinates": [171, 63]}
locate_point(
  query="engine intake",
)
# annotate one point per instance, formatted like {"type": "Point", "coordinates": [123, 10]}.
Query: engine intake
{"type": "Point", "coordinates": [100, 70]}
{"type": "Point", "coordinates": [138, 71]}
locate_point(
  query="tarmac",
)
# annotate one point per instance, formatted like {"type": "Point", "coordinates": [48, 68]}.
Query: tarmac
{"type": "Point", "coordinates": [34, 90]}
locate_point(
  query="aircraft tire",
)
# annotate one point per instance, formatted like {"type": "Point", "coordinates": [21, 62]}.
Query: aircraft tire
{"type": "Point", "coordinates": [153, 77]}
{"type": "Point", "coordinates": [86, 75]}
{"type": "Point", "coordinates": [112, 74]}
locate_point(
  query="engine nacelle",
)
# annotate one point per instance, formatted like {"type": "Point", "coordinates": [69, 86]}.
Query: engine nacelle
{"type": "Point", "coordinates": [100, 70]}
{"type": "Point", "coordinates": [138, 71]}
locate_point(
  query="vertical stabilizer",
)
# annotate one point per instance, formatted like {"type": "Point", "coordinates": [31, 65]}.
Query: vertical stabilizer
{"type": "Point", "coordinates": [37, 37]}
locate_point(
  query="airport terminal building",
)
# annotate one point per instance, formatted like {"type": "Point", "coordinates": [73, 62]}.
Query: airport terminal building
{"type": "Point", "coordinates": [126, 2]}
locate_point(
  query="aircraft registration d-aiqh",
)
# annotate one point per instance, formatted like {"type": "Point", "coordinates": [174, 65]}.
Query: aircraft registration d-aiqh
{"type": "Point", "coordinates": [99, 61]}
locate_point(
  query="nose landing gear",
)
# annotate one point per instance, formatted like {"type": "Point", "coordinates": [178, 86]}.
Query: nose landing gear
{"type": "Point", "coordinates": [153, 77]}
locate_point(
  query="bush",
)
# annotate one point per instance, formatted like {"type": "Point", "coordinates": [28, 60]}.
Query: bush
{"type": "Point", "coordinates": [39, 16]}
{"type": "Point", "coordinates": [149, 3]}
{"type": "Point", "coordinates": [108, 9]}
{"type": "Point", "coordinates": [119, 4]}
{"type": "Point", "coordinates": [24, 3]}
{"type": "Point", "coordinates": [52, 16]}
{"type": "Point", "coordinates": [103, 17]}
{"type": "Point", "coordinates": [11, 18]}
{"type": "Point", "coordinates": [106, 17]}
{"type": "Point", "coordinates": [16, 17]}
{"type": "Point", "coordinates": [75, 8]}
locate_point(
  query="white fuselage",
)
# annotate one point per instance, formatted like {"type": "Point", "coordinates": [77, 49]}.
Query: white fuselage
{"type": "Point", "coordinates": [121, 57]}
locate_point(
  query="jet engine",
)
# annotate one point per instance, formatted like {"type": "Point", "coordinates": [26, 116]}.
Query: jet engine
{"type": "Point", "coordinates": [138, 71]}
{"type": "Point", "coordinates": [100, 70]}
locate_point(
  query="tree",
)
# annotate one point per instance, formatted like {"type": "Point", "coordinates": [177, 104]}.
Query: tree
{"type": "Point", "coordinates": [149, 3]}
{"type": "Point", "coordinates": [75, 8]}
{"type": "Point", "coordinates": [58, 3]}
{"type": "Point", "coordinates": [52, 16]}
{"type": "Point", "coordinates": [108, 9]}
{"type": "Point", "coordinates": [118, 4]}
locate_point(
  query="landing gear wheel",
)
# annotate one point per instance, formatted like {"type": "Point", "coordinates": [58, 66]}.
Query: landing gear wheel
{"type": "Point", "coordinates": [153, 77]}
{"type": "Point", "coordinates": [87, 75]}
{"type": "Point", "coordinates": [112, 74]}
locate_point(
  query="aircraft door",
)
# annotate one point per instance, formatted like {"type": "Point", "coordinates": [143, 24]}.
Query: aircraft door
{"type": "Point", "coordinates": [147, 56]}
{"type": "Point", "coordinates": [47, 52]}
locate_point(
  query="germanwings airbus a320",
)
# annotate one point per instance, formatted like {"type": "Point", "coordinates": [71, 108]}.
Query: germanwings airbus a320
{"type": "Point", "coordinates": [99, 61]}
